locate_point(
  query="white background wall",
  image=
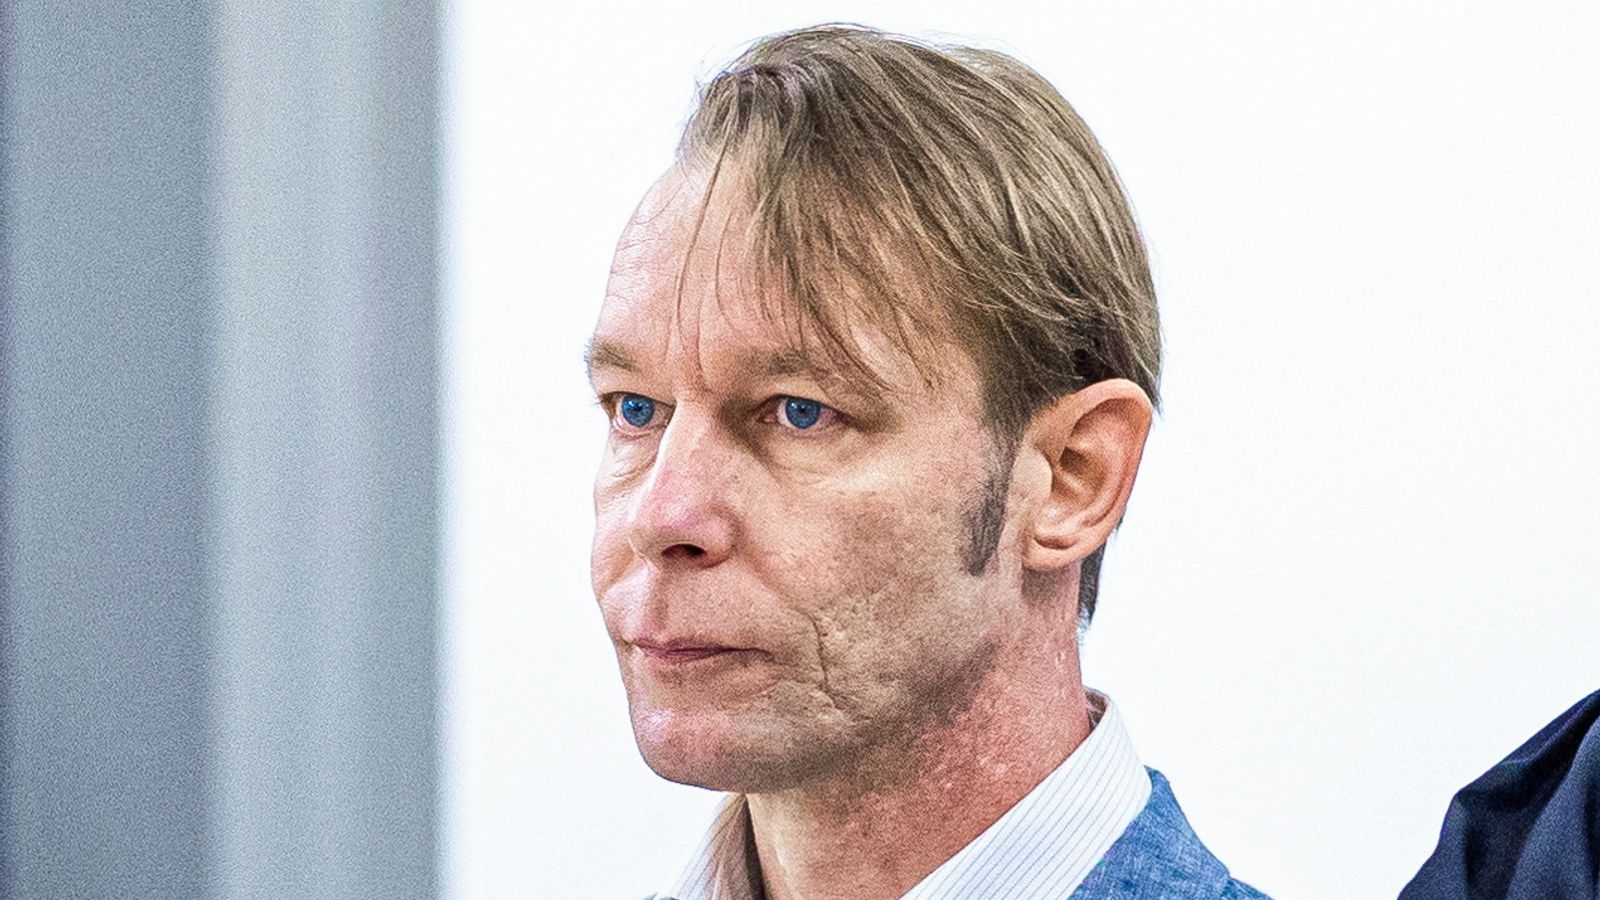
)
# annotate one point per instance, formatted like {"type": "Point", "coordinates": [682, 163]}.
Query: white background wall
{"type": "Point", "coordinates": [1359, 567]}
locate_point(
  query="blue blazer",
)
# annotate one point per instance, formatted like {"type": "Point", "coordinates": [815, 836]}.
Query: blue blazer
{"type": "Point", "coordinates": [1529, 828]}
{"type": "Point", "coordinates": [1159, 857]}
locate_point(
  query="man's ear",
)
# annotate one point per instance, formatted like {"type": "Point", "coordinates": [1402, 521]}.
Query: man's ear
{"type": "Point", "coordinates": [1089, 443]}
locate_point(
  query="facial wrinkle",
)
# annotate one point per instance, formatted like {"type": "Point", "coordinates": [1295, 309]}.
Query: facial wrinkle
{"type": "Point", "coordinates": [822, 663]}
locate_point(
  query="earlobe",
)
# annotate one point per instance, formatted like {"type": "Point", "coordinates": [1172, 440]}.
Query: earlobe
{"type": "Point", "coordinates": [1092, 441]}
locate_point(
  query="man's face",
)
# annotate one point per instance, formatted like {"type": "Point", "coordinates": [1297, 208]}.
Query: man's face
{"type": "Point", "coordinates": [783, 561]}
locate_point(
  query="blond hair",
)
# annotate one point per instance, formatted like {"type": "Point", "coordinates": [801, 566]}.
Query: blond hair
{"type": "Point", "coordinates": [934, 191]}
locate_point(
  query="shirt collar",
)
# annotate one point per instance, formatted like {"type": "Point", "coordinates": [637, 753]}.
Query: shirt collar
{"type": "Point", "coordinates": [1043, 846]}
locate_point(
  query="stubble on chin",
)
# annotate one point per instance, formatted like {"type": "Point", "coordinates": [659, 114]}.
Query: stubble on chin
{"type": "Point", "coordinates": [739, 757]}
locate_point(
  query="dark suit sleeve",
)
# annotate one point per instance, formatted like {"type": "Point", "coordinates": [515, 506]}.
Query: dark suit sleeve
{"type": "Point", "coordinates": [1529, 828]}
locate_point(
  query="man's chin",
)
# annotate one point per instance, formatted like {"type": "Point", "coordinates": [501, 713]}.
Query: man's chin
{"type": "Point", "coordinates": [724, 755]}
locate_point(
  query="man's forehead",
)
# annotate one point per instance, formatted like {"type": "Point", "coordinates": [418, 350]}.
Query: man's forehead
{"type": "Point", "coordinates": [673, 208]}
{"type": "Point", "coordinates": [738, 337]}
{"type": "Point", "coordinates": [681, 279]}
{"type": "Point", "coordinates": [677, 281]}
{"type": "Point", "coordinates": [652, 257]}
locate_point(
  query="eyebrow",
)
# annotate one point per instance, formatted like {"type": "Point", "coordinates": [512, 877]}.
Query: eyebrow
{"type": "Point", "coordinates": [604, 354]}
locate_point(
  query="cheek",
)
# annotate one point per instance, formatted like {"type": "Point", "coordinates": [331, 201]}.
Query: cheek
{"type": "Point", "coordinates": [851, 545]}
{"type": "Point", "coordinates": [885, 586]}
{"type": "Point", "coordinates": [610, 552]}
{"type": "Point", "coordinates": [906, 531]}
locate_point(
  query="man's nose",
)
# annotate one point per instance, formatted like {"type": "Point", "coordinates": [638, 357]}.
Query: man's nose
{"type": "Point", "coordinates": [682, 515]}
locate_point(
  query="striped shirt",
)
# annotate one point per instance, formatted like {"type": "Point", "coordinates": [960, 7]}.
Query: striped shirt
{"type": "Point", "coordinates": [1044, 846]}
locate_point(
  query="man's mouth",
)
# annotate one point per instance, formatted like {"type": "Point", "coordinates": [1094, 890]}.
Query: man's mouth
{"type": "Point", "coordinates": [679, 649]}
{"type": "Point", "coordinates": [683, 654]}
{"type": "Point", "coordinates": [684, 651]}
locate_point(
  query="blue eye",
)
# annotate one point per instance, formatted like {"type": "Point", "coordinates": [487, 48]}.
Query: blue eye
{"type": "Point", "coordinates": [803, 413]}
{"type": "Point", "coordinates": [638, 410]}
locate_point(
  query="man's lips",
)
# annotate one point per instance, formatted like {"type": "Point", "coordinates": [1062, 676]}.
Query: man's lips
{"type": "Point", "coordinates": [678, 648]}
{"type": "Point", "coordinates": [683, 651]}
{"type": "Point", "coordinates": [683, 654]}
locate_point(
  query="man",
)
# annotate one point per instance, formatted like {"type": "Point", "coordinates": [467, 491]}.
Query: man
{"type": "Point", "coordinates": [879, 354]}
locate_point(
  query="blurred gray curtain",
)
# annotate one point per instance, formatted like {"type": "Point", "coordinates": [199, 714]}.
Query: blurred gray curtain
{"type": "Point", "coordinates": [218, 449]}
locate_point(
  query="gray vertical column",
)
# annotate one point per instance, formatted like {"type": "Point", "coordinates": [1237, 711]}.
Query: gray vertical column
{"type": "Point", "coordinates": [325, 447]}
{"type": "Point", "coordinates": [217, 449]}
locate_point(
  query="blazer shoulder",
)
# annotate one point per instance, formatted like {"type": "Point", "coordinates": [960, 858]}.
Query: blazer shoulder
{"type": "Point", "coordinates": [1159, 856]}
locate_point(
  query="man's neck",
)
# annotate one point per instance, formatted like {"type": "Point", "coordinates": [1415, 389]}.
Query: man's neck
{"type": "Point", "coordinates": [876, 832]}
